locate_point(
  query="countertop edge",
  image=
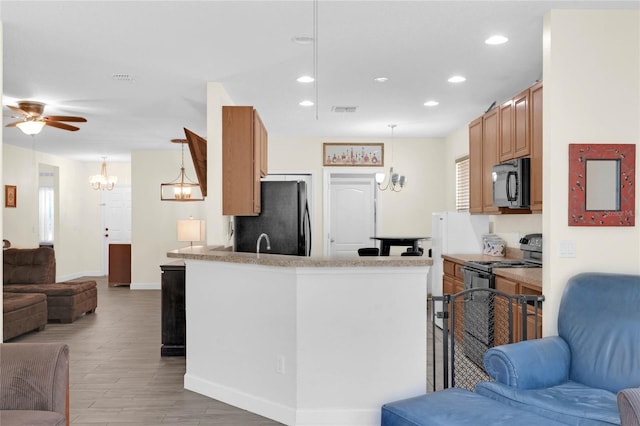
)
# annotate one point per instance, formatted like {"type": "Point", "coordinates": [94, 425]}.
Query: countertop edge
{"type": "Point", "coordinates": [219, 254]}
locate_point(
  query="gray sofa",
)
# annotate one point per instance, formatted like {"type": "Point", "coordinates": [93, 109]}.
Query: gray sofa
{"type": "Point", "coordinates": [629, 406]}
{"type": "Point", "coordinates": [34, 384]}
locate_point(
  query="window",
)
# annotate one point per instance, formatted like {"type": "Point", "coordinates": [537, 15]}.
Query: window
{"type": "Point", "coordinates": [46, 214]}
{"type": "Point", "coordinates": [462, 184]}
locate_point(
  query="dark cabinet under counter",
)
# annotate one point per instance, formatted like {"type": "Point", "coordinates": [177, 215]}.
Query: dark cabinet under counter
{"type": "Point", "coordinates": [173, 310]}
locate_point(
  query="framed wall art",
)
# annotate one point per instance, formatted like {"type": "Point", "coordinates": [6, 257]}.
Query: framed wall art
{"type": "Point", "coordinates": [353, 155]}
{"type": "Point", "coordinates": [602, 184]}
{"type": "Point", "coordinates": [10, 195]}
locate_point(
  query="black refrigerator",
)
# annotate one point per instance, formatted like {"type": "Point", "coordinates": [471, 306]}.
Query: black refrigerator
{"type": "Point", "coordinates": [284, 218]}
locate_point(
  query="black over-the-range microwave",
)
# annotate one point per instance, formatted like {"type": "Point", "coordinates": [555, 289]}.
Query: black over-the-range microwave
{"type": "Point", "coordinates": [511, 183]}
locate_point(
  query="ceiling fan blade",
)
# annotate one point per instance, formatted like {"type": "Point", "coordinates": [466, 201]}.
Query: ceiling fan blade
{"type": "Point", "coordinates": [14, 124]}
{"type": "Point", "coordinates": [61, 125]}
{"type": "Point", "coordinates": [16, 109]}
{"type": "Point", "coordinates": [65, 118]}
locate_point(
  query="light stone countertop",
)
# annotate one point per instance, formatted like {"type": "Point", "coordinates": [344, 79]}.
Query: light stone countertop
{"type": "Point", "coordinates": [220, 254]}
{"type": "Point", "coordinates": [531, 276]}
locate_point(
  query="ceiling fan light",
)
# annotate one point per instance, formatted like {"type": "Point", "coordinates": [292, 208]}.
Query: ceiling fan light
{"type": "Point", "coordinates": [31, 127]}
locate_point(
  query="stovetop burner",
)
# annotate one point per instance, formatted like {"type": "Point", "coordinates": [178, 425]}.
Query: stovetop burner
{"type": "Point", "coordinates": [488, 265]}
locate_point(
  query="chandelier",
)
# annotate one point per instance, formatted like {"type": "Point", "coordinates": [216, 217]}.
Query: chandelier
{"type": "Point", "coordinates": [395, 180]}
{"type": "Point", "coordinates": [103, 181]}
{"type": "Point", "coordinates": [182, 188]}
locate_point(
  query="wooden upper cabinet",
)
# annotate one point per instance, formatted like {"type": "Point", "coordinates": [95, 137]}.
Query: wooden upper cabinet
{"type": "Point", "coordinates": [521, 134]}
{"type": "Point", "coordinates": [512, 130]}
{"type": "Point", "coordinates": [514, 141]}
{"type": "Point", "coordinates": [475, 166]}
{"type": "Point", "coordinates": [535, 108]}
{"type": "Point", "coordinates": [490, 131]}
{"type": "Point", "coordinates": [506, 142]}
{"type": "Point", "coordinates": [243, 145]}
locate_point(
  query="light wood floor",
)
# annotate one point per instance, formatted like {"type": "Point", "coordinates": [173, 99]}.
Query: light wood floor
{"type": "Point", "coordinates": [117, 374]}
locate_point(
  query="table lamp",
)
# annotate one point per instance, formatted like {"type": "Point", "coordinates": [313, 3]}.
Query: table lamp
{"type": "Point", "coordinates": [191, 230]}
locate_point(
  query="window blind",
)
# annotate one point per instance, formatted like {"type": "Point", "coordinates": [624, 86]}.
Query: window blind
{"type": "Point", "coordinates": [462, 184]}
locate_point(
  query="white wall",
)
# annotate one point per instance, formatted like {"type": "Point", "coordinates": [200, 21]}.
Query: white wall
{"type": "Point", "coordinates": [405, 213]}
{"type": "Point", "coordinates": [78, 241]}
{"type": "Point", "coordinates": [591, 69]}
{"type": "Point", "coordinates": [154, 222]}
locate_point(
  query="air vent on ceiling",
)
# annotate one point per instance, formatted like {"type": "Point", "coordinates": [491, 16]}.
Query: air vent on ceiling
{"type": "Point", "coordinates": [122, 77]}
{"type": "Point", "coordinates": [344, 109]}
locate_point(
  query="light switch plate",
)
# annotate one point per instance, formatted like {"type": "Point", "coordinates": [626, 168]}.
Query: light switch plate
{"type": "Point", "coordinates": [567, 248]}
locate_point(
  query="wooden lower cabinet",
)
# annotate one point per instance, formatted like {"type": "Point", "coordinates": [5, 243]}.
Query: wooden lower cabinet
{"type": "Point", "coordinates": [453, 283]}
{"type": "Point", "coordinates": [502, 323]}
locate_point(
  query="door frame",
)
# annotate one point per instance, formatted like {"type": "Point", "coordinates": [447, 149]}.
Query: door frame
{"type": "Point", "coordinates": [328, 173]}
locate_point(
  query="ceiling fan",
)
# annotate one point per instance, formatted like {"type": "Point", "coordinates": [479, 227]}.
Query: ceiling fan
{"type": "Point", "coordinates": [31, 121]}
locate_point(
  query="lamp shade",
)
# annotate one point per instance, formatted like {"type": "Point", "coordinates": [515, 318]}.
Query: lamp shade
{"type": "Point", "coordinates": [191, 230]}
{"type": "Point", "coordinates": [31, 127]}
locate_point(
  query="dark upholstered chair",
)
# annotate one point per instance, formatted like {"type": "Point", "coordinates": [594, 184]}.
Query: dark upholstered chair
{"type": "Point", "coordinates": [34, 384]}
{"type": "Point", "coordinates": [369, 251]}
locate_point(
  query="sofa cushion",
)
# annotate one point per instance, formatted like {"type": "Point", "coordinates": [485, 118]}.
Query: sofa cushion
{"type": "Point", "coordinates": [14, 301]}
{"type": "Point", "coordinates": [31, 418]}
{"type": "Point", "coordinates": [68, 288]}
{"type": "Point", "coordinates": [598, 318]}
{"type": "Point", "coordinates": [571, 402]}
{"type": "Point", "coordinates": [29, 266]}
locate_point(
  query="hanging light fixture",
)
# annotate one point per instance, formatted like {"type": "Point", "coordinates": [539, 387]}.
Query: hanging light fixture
{"type": "Point", "coordinates": [182, 188]}
{"type": "Point", "coordinates": [103, 181]}
{"type": "Point", "coordinates": [31, 127]}
{"type": "Point", "coordinates": [395, 181]}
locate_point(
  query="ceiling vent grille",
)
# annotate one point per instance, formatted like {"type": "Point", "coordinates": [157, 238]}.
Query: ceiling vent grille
{"type": "Point", "coordinates": [344, 109]}
{"type": "Point", "coordinates": [122, 77]}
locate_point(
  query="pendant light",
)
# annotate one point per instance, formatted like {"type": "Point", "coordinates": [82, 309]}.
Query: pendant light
{"type": "Point", "coordinates": [182, 188]}
{"type": "Point", "coordinates": [395, 181]}
{"type": "Point", "coordinates": [103, 180]}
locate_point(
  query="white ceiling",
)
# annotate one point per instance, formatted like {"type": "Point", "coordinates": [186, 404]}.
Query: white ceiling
{"type": "Point", "coordinates": [65, 53]}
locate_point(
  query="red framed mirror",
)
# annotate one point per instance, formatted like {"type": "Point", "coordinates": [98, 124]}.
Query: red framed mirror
{"type": "Point", "coordinates": [602, 184]}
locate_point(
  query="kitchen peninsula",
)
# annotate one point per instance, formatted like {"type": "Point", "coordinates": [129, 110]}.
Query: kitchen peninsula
{"type": "Point", "coordinates": [305, 340]}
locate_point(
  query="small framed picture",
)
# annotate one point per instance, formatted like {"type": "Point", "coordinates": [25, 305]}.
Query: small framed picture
{"type": "Point", "coordinates": [10, 195]}
{"type": "Point", "coordinates": [353, 155]}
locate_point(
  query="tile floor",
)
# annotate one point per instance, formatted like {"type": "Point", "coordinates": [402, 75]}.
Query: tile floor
{"type": "Point", "coordinates": [117, 374]}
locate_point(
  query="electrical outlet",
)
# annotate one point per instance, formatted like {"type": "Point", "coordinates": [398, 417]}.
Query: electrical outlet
{"type": "Point", "coordinates": [280, 365]}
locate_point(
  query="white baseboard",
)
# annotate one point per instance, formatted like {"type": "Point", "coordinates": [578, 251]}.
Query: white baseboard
{"type": "Point", "coordinates": [279, 412]}
{"type": "Point", "coordinates": [144, 286]}
{"type": "Point", "coordinates": [73, 276]}
{"type": "Point", "coordinates": [243, 400]}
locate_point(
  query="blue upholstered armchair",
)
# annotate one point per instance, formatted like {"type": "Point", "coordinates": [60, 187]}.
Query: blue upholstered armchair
{"type": "Point", "coordinates": [575, 377]}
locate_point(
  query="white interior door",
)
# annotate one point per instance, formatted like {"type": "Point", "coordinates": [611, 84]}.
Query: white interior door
{"type": "Point", "coordinates": [116, 220]}
{"type": "Point", "coordinates": [352, 220]}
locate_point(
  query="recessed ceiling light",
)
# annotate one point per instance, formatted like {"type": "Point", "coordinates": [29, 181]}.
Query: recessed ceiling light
{"type": "Point", "coordinates": [306, 103]}
{"type": "Point", "coordinates": [456, 79]}
{"type": "Point", "coordinates": [431, 103]}
{"type": "Point", "coordinates": [496, 39]}
{"type": "Point", "coordinates": [302, 40]}
{"type": "Point", "coordinates": [305, 79]}
{"type": "Point", "coordinates": [381, 79]}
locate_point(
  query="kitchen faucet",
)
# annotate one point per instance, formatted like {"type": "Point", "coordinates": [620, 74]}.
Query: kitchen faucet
{"type": "Point", "coordinates": [263, 235]}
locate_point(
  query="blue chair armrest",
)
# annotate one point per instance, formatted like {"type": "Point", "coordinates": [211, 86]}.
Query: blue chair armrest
{"type": "Point", "coordinates": [530, 364]}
